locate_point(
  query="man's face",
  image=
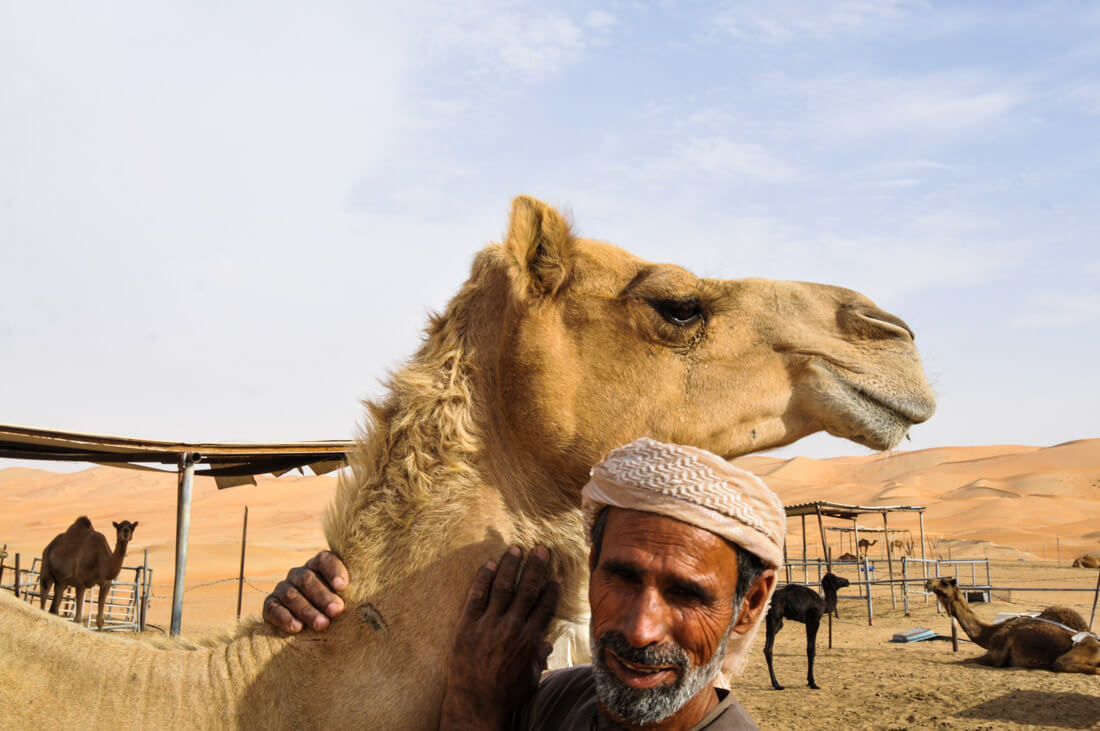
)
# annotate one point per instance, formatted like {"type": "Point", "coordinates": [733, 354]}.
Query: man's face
{"type": "Point", "coordinates": [662, 594]}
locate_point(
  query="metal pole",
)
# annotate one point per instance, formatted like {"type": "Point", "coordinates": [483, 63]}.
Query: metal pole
{"type": "Point", "coordinates": [144, 591]}
{"type": "Point", "coordinates": [1094, 598]}
{"type": "Point", "coordinates": [889, 559]}
{"type": "Point", "coordinates": [855, 537]}
{"type": "Point", "coordinates": [954, 635]}
{"type": "Point", "coordinates": [867, 573]}
{"type": "Point", "coordinates": [923, 565]}
{"type": "Point", "coordinates": [786, 561]}
{"type": "Point", "coordinates": [805, 565]}
{"type": "Point", "coordinates": [240, 578]}
{"type": "Point", "coordinates": [824, 543]}
{"type": "Point", "coordinates": [183, 527]}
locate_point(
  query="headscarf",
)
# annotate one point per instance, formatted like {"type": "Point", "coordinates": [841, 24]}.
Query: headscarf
{"type": "Point", "coordinates": [699, 488]}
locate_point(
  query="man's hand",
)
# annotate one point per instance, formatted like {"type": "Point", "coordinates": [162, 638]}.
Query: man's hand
{"type": "Point", "coordinates": [306, 597]}
{"type": "Point", "coordinates": [499, 650]}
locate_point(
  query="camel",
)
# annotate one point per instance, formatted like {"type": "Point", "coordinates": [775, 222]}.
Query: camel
{"type": "Point", "coordinates": [1025, 642]}
{"type": "Point", "coordinates": [81, 558]}
{"type": "Point", "coordinates": [556, 350]}
{"type": "Point", "coordinates": [805, 605]}
{"type": "Point", "coordinates": [864, 545]}
{"type": "Point", "coordinates": [847, 557]}
{"type": "Point", "coordinates": [1088, 561]}
{"type": "Point", "coordinates": [901, 546]}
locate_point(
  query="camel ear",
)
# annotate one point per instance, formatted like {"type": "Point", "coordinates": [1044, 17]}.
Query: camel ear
{"type": "Point", "coordinates": [133, 525]}
{"type": "Point", "coordinates": [540, 244]}
{"type": "Point", "coordinates": [114, 524]}
{"type": "Point", "coordinates": [951, 580]}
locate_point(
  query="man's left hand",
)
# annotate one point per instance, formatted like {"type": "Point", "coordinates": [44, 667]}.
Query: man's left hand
{"type": "Point", "coordinates": [499, 649]}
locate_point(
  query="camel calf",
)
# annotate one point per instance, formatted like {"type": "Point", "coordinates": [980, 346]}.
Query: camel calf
{"type": "Point", "coordinates": [80, 558]}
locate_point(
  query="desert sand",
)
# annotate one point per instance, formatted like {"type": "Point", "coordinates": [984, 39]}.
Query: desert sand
{"type": "Point", "coordinates": [1031, 510]}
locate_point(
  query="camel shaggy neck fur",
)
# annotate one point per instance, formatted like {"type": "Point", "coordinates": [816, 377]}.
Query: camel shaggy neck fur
{"type": "Point", "coordinates": [556, 350]}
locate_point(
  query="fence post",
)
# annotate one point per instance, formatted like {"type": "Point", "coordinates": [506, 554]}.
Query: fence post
{"type": "Point", "coordinates": [867, 573]}
{"type": "Point", "coordinates": [1095, 597]}
{"type": "Point", "coordinates": [905, 584]}
{"type": "Point", "coordinates": [240, 578]}
{"type": "Point", "coordinates": [144, 589]}
{"type": "Point", "coordinates": [15, 586]}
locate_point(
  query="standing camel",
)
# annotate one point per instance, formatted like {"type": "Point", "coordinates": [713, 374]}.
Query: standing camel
{"type": "Point", "coordinates": [80, 558]}
{"type": "Point", "coordinates": [802, 604]}
{"type": "Point", "coordinates": [864, 545]}
{"type": "Point", "coordinates": [1060, 643]}
{"type": "Point", "coordinates": [555, 351]}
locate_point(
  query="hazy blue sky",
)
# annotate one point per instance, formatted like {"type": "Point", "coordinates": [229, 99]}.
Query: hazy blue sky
{"type": "Point", "coordinates": [228, 220]}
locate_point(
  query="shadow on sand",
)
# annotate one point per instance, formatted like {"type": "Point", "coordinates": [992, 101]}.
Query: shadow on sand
{"type": "Point", "coordinates": [1039, 708]}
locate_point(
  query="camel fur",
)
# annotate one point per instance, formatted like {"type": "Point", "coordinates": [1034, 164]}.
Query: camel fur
{"type": "Point", "coordinates": [1088, 561]}
{"type": "Point", "coordinates": [81, 558]}
{"type": "Point", "coordinates": [556, 350]}
{"type": "Point", "coordinates": [1024, 642]}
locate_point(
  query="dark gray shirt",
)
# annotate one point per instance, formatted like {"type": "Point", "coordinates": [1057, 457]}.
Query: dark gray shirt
{"type": "Point", "coordinates": [566, 699]}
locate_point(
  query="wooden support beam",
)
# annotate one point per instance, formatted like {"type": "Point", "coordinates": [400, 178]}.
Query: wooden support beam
{"type": "Point", "coordinates": [240, 577]}
{"type": "Point", "coordinates": [805, 564]}
{"type": "Point", "coordinates": [889, 559]}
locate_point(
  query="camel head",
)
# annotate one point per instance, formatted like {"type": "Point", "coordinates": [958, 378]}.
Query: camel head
{"type": "Point", "coordinates": [832, 583]}
{"type": "Point", "coordinates": [125, 530]}
{"type": "Point", "coordinates": [946, 589]}
{"type": "Point", "coordinates": [586, 347]}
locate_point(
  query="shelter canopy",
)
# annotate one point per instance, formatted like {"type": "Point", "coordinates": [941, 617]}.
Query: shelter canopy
{"type": "Point", "coordinates": [846, 512]}
{"type": "Point", "coordinates": [229, 463]}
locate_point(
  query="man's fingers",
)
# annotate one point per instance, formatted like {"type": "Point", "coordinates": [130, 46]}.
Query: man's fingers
{"type": "Point", "coordinates": [478, 597]}
{"type": "Point", "coordinates": [277, 615]}
{"type": "Point", "coordinates": [546, 606]}
{"type": "Point", "coordinates": [316, 591]}
{"type": "Point", "coordinates": [531, 586]}
{"type": "Point", "coordinates": [504, 585]}
{"type": "Point", "coordinates": [299, 606]}
{"type": "Point", "coordinates": [545, 648]}
{"type": "Point", "coordinates": [331, 569]}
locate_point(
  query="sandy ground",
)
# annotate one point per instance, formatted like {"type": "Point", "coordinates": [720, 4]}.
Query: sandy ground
{"type": "Point", "coordinates": [1029, 509]}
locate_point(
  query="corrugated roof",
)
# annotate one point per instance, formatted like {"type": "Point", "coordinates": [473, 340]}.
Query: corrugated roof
{"type": "Point", "coordinates": [846, 512]}
{"type": "Point", "coordinates": [230, 463]}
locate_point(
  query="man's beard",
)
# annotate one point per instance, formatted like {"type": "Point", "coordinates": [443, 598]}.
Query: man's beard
{"type": "Point", "coordinates": [642, 706]}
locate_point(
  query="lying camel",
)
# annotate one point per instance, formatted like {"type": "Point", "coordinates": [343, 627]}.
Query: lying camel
{"type": "Point", "coordinates": [1025, 642]}
{"type": "Point", "coordinates": [556, 350]}
{"type": "Point", "coordinates": [1088, 561]}
{"type": "Point", "coordinates": [81, 558]}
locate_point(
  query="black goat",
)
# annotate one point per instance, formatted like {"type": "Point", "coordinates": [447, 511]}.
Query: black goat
{"type": "Point", "coordinates": [805, 605]}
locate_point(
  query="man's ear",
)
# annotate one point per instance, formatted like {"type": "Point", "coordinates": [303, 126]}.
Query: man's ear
{"type": "Point", "coordinates": [540, 244]}
{"type": "Point", "coordinates": [755, 600]}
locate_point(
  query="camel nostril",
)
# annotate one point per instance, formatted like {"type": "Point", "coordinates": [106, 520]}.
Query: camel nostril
{"type": "Point", "coordinates": [873, 324]}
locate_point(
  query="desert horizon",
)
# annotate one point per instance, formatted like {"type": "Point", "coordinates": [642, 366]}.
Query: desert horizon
{"type": "Point", "coordinates": [1003, 502]}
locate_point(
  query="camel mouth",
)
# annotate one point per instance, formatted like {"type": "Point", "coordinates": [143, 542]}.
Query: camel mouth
{"type": "Point", "coordinates": [864, 414]}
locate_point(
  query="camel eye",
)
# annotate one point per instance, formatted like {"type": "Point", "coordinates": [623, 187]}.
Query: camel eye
{"type": "Point", "coordinates": [679, 313]}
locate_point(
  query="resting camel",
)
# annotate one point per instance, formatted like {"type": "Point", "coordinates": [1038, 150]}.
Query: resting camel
{"type": "Point", "coordinates": [1024, 642]}
{"type": "Point", "coordinates": [556, 350]}
{"type": "Point", "coordinates": [802, 604]}
{"type": "Point", "coordinates": [81, 558]}
{"type": "Point", "coordinates": [1088, 561]}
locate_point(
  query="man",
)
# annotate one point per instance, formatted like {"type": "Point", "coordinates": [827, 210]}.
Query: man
{"type": "Point", "coordinates": [684, 550]}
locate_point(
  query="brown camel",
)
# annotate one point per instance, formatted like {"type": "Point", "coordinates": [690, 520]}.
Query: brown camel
{"type": "Point", "coordinates": [901, 546]}
{"type": "Point", "coordinates": [1025, 642]}
{"type": "Point", "coordinates": [81, 558]}
{"type": "Point", "coordinates": [556, 350]}
{"type": "Point", "coordinates": [847, 557]}
{"type": "Point", "coordinates": [864, 545]}
{"type": "Point", "coordinates": [1088, 561]}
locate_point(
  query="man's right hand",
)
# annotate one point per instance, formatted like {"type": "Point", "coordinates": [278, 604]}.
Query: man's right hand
{"type": "Point", "coordinates": [307, 597]}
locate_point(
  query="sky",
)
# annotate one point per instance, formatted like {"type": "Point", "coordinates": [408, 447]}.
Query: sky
{"type": "Point", "coordinates": [227, 221]}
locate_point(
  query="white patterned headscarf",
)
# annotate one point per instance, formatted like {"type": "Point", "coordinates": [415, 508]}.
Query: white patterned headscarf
{"type": "Point", "coordinates": [696, 487]}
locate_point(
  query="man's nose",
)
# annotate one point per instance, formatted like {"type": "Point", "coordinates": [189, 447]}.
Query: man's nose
{"type": "Point", "coordinates": [645, 622]}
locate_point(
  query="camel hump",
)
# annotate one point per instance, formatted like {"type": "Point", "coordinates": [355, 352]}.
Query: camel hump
{"type": "Point", "coordinates": [82, 522]}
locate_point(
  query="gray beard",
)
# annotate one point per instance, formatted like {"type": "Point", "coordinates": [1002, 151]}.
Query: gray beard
{"type": "Point", "coordinates": [650, 705]}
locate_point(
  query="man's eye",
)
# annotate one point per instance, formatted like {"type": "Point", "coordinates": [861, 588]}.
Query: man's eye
{"type": "Point", "coordinates": [679, 313]}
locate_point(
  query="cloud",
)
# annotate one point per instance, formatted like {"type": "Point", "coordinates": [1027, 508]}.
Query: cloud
{"type": "Point", "coordinates": [600, 19]}
{"type": "Point", "coordinates": [858, 107]}
{"type": "Point", "coordinates": [783, 21]}
{"type": "Point", "coordinates": [722, 156]}
{"type": "Point", "coordinates": [1061, 309]}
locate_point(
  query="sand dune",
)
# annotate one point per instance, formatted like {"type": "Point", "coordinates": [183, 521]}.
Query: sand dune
{"type": "Point", "coordinates": [1002, 501]}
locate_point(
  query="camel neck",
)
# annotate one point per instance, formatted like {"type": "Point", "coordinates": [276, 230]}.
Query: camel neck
{"type": "Point", "coordinates": [972, 626]}
{"type": "Point", "coordinates": [118, 556]}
